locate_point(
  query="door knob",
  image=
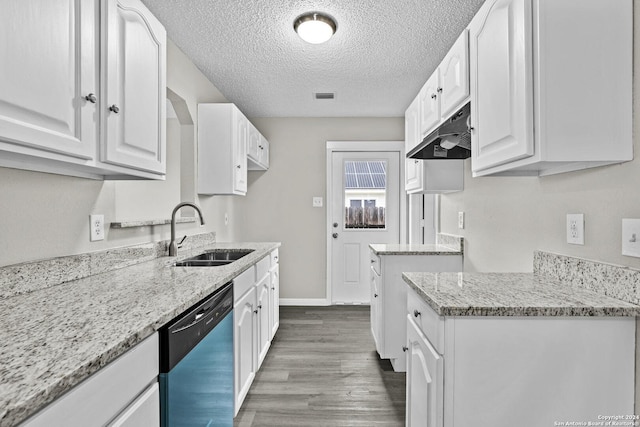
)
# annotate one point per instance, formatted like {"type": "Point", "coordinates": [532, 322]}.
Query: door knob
{"type": "Point", "coordinates": [335, 225]}
{"type": "Point", "coordinates": [335, 235]}
{"type": "Point", "coordinates": [114, 108]}
{"type": "Point", "coordinates": [91, 98]}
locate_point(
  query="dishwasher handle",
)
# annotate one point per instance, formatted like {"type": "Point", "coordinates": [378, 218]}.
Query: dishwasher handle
{"type": "Point", "coordinates": [179, 336]}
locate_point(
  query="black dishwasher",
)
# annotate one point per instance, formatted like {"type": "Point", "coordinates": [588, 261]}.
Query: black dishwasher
{"type": "Point", "coordinates": [196, 364]}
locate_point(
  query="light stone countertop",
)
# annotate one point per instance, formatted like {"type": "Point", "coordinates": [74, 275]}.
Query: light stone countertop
{"type": "Point", "coordinates": [406, 249]}
{"type": "Point", "coordinates": [54, 338]}
{"type": "Point", "coordinates": [511, 294]}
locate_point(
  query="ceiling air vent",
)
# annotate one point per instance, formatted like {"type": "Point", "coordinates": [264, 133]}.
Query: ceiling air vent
{"type": "Point", "coordinates": [324, 95]}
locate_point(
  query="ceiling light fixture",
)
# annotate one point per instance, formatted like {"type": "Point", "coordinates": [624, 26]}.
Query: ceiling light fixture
{"type": "Point", "coordinates": [314, 27]}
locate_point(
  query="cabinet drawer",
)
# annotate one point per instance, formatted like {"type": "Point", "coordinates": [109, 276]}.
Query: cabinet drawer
{"type": "Point", "coordinates": [427, 320]}
{"type": "Point", "coordinates": [262, 268]}
{"type": "Point", "coordinates": [375, 262]}
{"type": "Point", "coordinates": [244, 282]}
{"type": "Point", "coordinates": [106, 393]}
{"type": "Point", "coordinates": [275, 257]}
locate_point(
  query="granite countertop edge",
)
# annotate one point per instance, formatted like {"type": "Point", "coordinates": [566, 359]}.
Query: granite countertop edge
{"type": "Point", "coordinates": [27, 403]}
{"type": "Point", "coordinates": [465, 306]}
{"type": "Point", "coordinates": [399, 249]}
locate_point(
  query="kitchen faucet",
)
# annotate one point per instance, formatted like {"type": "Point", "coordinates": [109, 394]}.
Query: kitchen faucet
{"type": "Point", "coordinates": [173, 246]}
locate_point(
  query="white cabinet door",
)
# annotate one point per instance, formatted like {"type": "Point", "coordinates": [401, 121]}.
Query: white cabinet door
{"type": "Point", "coordinates": [254, 142]}
{"type": "Point", "coordinates": [144, 411]}
{"type": "Point", "coordinates": [263, 153]}
{"type": "Point", "coordinates": [244, 346]}
{"type": "Point", "coordinates": [134, 86]}
{"type": "Point", "coordinates": [429, 105]}
{"type": "Point", "coordinates": [454, 76]}
{"type": "Point", "coordinates": [376, 312]}
{"type": "Point", "coordinates": [274, 300]}
{"type": "Point", "coordinates": [501, 83]}
{"type": "Point", "coordinates": [263, 328]}
{"type": "Point", "coordinates": [48, 68]}
{"type": "Point", "coordinates": [413, 169]}
{"type": "Point", "coordinates": [240, 155]}
{"type": "Point", "coordinates": [425, 404]}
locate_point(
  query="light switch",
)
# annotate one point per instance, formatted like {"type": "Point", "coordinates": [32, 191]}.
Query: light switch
{"type": "Point", "coordinates": [317, 202]}
{"type": "Point", "coordinates": [631, 237]}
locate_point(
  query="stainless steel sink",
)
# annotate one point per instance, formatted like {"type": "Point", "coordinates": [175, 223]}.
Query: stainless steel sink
{"type": "Point", "coordinates": [214, 258]}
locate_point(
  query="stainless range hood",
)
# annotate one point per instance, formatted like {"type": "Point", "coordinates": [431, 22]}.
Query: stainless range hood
{"type": "Point", "coordinates": [451, 140]}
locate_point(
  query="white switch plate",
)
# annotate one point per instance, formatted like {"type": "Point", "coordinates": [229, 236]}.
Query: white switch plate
{"type": "Point", "coordinates": [631, 237]}
{"type": "Point", "coordinates": [575, 229]}
{"type": "Point", "coordinates": [460, 220]}
{"type": "Point", "coordinates": [96, 227]}
{"type": "Point", "coordinates": [317, 202]}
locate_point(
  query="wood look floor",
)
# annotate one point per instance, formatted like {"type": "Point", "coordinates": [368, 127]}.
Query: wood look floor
{"type": "Point", "coordinates": [323, 370]}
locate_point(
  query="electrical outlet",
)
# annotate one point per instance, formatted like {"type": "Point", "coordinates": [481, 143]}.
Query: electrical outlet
{"type": "Point", "coordinates": [96, 227]}
{"type": "Point", "coordinates": [575, 229]}
{"type": "Point", "coordinates": [460, 220]}
{"type": "Point", "coordinates": [631, 237]}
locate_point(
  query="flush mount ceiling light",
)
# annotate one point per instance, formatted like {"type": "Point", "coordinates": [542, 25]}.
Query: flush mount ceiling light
{"type": "Point", "coordinates": [314, 27]}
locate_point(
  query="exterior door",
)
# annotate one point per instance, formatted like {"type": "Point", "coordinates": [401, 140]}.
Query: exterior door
{"type": "Point", "coordinates": [364, 209]}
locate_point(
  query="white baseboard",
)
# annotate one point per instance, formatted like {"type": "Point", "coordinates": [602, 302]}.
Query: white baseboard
{"type": "Point", "coordinates": [305, 301]}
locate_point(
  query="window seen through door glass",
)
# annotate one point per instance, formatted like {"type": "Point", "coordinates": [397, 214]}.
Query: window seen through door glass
{"type": "Point", "coordinates": [365, 194]}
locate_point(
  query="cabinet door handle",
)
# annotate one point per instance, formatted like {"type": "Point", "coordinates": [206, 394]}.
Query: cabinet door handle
{"type": "Point", "coordinates": [255, 311]}
{"type": "Point", "coordinates": [416, 313]}
{"type": "Point", "coordinates": [405, 348]}
{"type": "Point", "coordinates": [91, 98]}
{"type": "Point", "coordinates": [239, 166]}
{"type": "Point", "coordinates": [434, 96]}
{"type": "Point", "coordinates": [439, 90]}
{"type": "Point", "coordinates": [375, 295]}
{"type": "Point", "coordinates": [260, 306]}
{"type": "Point", "coordinates": [335, 235]}
{"type": "Point", "coordinates": [114, 108]}
{"type": "Point", "coordinates": [373, 261]}
{"type": "Point", "coordinates": [273, 288]}
{"type": "Point", "coordinates": [416, 161]}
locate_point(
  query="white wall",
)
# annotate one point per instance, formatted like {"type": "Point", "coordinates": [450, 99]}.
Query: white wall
{"type": "Point", "coordinates": [278, 202]}
{"type": "Point", "coordinates": [45, 215]}
{"type": "Point", "coordinates": [508, 218]}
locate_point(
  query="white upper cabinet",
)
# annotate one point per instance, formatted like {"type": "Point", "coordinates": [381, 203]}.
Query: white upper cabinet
{"type": "Point", "coordinates": [447, 89]}
{"type": "Point", "coordinates": [223, 134]}
{"type": "Point", "coordinates": [55, 98]}
{"type": "Point", "coordinates": [413, 169]}
{"type": "Point", "coordinates": [550, 94]}
{"type": "Point", "coordinates": [454, 76]}
{"type": "Point", "coordinates": [48, 70]}
{"type": "Point", "coordinates": [429, 105]}
{"type": "Point", "coordinates": [502, 81]}
{"type": "Point", "coordinates": [258, 150]}
{"type": "Point", "coordinates": [134, 79]}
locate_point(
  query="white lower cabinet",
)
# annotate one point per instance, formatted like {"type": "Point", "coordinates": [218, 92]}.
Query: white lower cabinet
{"type": "Point", "coordinates": [263, 327]}
{"type": "Point", "coordinates": [255, 317]}
{"type": "Point", "coordinates": [244, 345]}
{"type": "Point", "coordinates": [503, 371]}
{"type": "Point", "coordinates": [389, 299]}
{"type": "Point", "coordinates": [123, 393]}
{"type": "Point", "coordinates": [424, 380]}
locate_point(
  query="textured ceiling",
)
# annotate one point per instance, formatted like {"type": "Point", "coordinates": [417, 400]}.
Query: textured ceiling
{"type": "Point", "coordinates": [382, 53]}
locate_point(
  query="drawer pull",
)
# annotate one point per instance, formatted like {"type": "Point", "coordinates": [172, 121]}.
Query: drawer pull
{"type": "Point", "coordinates": [416, 313]}
{"type": "Point", "coordinates": [405, 348]}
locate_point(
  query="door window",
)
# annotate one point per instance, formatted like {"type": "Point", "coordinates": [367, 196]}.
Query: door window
{"type": "Point", "coordinates": [365, 194]}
